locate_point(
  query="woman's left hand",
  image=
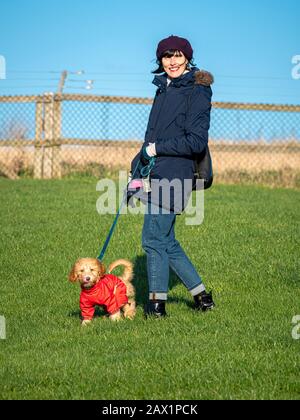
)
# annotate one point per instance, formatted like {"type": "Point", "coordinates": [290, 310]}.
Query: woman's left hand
{"type": "Point", "coordinates": [148, 152]}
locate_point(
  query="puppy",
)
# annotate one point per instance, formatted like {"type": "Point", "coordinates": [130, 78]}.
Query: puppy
{"type": "Point", "coordinates": [117, 294]}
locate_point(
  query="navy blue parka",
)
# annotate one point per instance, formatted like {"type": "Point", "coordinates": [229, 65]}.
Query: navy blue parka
{"type": "Point", "coordinates": [178, 124]}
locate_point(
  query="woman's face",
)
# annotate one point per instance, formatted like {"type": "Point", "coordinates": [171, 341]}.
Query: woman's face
{"type": "Point", "coordinates": [176, 65]}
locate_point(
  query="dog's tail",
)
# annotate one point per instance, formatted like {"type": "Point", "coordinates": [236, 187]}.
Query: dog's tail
{"type": "Point", "coordinates": [127, 275]}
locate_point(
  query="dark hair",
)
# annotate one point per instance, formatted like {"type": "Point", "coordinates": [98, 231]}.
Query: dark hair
{"type": "Point", "coordinates": [169, 54]}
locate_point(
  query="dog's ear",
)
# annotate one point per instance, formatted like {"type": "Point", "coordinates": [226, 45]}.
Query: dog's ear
{"type": "Point", "coordinates": [101, 268]}
{"type": "Point", "coordinates": [72, 275]}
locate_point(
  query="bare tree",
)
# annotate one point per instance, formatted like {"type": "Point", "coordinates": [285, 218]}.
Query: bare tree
{"type": "Point", "coordinates": [14, 130]}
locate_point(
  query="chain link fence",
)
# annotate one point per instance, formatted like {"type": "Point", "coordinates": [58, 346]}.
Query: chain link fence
{"type": "Point", "coordinates": [53, 136]}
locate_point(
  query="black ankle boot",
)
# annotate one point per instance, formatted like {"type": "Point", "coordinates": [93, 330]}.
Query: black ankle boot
{"type": "Point", "coordinates": [204, 301]}
{"type": "Point", "coordinates": [155, 308]}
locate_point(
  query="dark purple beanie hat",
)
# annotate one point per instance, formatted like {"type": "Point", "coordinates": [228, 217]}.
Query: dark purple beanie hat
{"type": "Point", "coordinates": [175, 43]}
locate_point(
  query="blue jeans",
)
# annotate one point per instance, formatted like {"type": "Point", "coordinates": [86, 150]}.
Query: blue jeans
{"type": "Point", "coordinates": [164, 251]}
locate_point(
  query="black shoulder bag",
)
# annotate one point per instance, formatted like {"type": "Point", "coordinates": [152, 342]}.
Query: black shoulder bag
{"type": "Point", "coordinates": [203, 163]}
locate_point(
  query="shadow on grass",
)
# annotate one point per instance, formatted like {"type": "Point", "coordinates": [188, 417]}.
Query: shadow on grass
{"type": "Point", "coordinates": [141, 284]}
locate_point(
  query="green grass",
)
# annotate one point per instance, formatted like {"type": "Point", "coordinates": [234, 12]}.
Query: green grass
{"type": "Point", "coordinates": [247, 251]}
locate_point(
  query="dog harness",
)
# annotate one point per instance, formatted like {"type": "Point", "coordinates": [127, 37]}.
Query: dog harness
{"type": "Point", "coordinates": [110, 292]}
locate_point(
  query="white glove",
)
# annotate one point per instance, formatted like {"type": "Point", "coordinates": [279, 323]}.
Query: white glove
{"type": "Point", "coordinates": [151, 150]}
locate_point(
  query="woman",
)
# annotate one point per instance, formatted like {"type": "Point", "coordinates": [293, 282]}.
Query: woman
{"type": "Point", "coordinates": [177, 131]}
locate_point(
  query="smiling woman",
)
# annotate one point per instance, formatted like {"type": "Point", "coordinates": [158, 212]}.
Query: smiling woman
{"type": "Point", "coordinates": [177, 131]}
{"type": "Point", "coordinates": [174, 56]}
{"type": "Point", "coordinates": [174, 64]}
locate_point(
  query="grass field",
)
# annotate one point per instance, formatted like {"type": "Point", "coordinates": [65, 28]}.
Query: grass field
{"type": "Point", "coordinates": [247, 251]}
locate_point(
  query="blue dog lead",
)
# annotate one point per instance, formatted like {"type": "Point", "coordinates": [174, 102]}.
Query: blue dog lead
{"type": "Point", "coordinates": [145, 171]}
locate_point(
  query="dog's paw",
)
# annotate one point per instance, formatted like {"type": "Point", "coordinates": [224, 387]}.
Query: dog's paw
{"type": "Point", "coordinates": [130, 314]}
{"type": "Point", "coordinates": [116, 317]}
{"type": "Point", "coordinates": [85, 322]}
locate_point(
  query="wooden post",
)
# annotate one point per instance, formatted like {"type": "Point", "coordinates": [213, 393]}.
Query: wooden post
{"type": "Point", "coordinates": [38, 151]}
{"type": "Point", "coordinates": [56, 162]}
{"type": "Point", "coordinates": [48, 130]}
{"type": "Point", "coordinates": [47, 155]}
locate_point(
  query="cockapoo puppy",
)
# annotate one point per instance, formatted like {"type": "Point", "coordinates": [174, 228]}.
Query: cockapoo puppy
{"type": "Point", "coordinates": [117, 294]}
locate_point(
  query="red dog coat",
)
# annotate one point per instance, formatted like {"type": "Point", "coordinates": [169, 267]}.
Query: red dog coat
{"type": "Point", "coordinates": [110, 291]}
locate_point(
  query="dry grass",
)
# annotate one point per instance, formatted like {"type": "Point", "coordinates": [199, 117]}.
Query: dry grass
{"type": "Point", "coordinates": [271, 164]}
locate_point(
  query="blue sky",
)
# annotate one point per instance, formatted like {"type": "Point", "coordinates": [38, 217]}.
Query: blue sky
{"type": "Point", "coordinates": [247, 45]}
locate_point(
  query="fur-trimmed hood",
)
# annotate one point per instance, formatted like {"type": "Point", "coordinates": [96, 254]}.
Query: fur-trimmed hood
{"type": "Point", "coordinates": [203, 77]}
